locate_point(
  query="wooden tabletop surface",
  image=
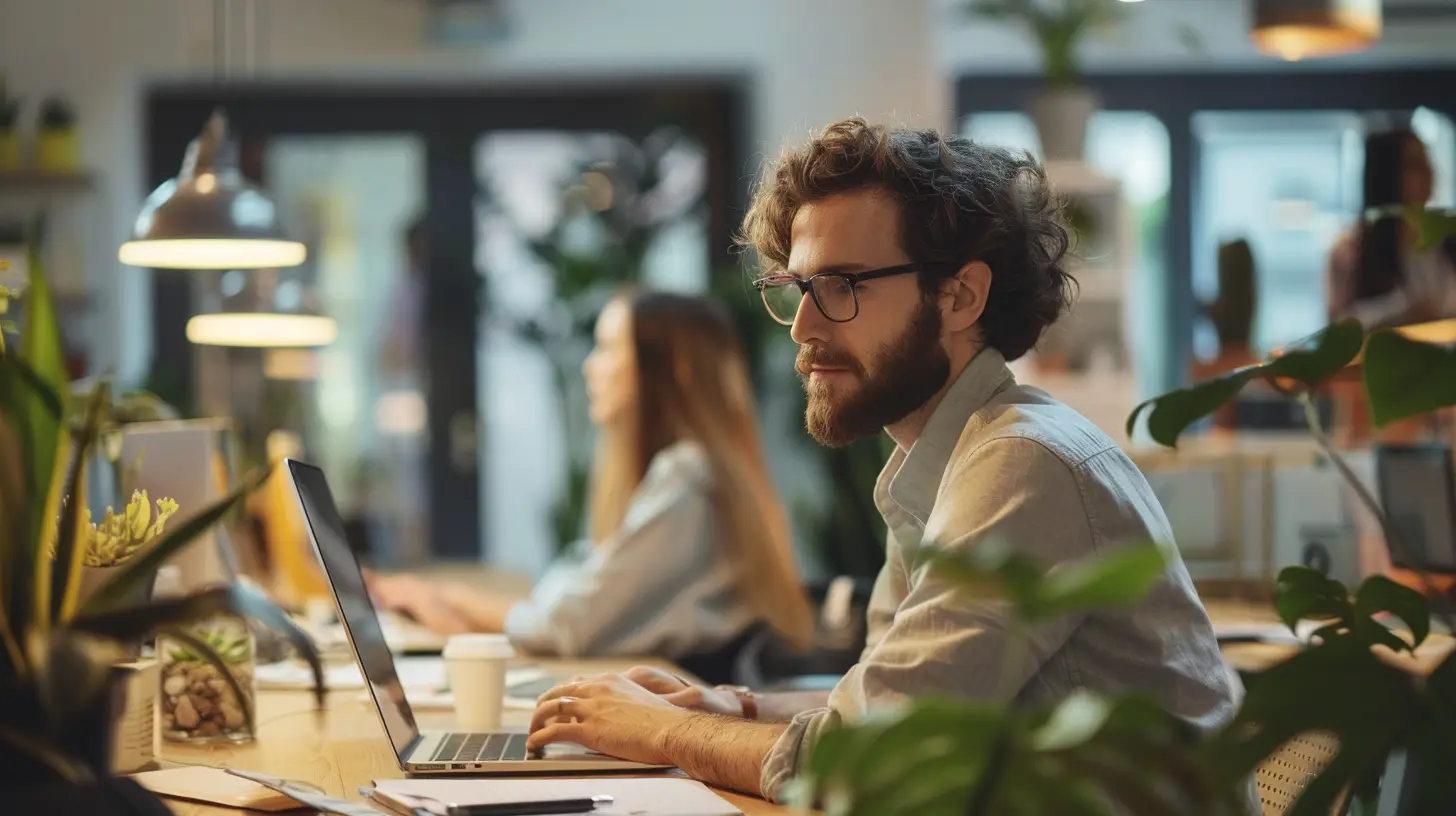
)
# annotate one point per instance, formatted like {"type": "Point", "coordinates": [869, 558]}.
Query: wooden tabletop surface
{"type": "Point", "coordinates": [344, 747]}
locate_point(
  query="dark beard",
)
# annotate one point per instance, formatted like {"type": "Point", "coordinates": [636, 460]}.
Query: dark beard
{"type": "Point", "coordinates": [906, 374]}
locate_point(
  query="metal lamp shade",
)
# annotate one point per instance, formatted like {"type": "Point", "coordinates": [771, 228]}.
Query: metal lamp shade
{"type": "Point", "coordinates": [210, 217]}
{"type": "Point", "coordinates": [1296, 29]}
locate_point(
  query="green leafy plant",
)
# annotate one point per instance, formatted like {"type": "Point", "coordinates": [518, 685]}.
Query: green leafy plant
{"type": "Point", "coordinates": [57, 649]}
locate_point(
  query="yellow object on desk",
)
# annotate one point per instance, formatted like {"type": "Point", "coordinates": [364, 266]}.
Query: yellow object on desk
{"type": "Point", "coordinates": [213, 786]}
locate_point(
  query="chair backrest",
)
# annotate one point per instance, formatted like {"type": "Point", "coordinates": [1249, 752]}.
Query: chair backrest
{"type": "Point", "coordinates": [1284, 774]}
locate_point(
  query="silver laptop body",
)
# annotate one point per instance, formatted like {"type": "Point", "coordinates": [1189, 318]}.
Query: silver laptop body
{"type": "Point", "coordinates": [418, 752]}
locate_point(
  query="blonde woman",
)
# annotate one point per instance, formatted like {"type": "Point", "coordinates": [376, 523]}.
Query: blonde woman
{"type": "Point", "coordinates": [689, 546]}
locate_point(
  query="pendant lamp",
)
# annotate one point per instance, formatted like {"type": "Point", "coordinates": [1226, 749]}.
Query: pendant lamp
{"type": "Point", "coordinates": [1298, 29]}
{"type": "Point", "coordinates": [209, 216]}
{"type": "Point", "coordinates": [264, 308]}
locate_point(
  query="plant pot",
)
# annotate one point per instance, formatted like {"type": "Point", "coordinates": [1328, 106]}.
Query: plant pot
{"type": "Point", "coordinates": [107, 797]}
{"type": "Point", "coordinates": [9, 150]}
{"type": "Point", "coordinates": [1061, 115]}
{"type": "Point", "coordinates": [57, 151]}
{"type": "Point", "coordinates": [87, 741]}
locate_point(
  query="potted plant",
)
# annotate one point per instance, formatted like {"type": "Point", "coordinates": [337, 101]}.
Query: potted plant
{"type": "Point", "coordinates": [58, 689]}
{"type": "Point", "coordinates": [57, 148]}
{"type": "Point", "coordinates": [9, 131]}
{"type": "Point", "coordinates": [1089, 751]}
{"type": "Point", "coordinates": [1063, 107]}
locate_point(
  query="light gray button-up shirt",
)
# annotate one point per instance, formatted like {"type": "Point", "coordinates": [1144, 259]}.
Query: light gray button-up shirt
{"type": "Point", "coordinates": [998, 460]}
{"type": "Point", "coordinates": [659, 586]}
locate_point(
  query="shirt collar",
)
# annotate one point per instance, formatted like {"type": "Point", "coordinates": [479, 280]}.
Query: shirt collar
{"type": "Point", "coordinates": [912, 479]}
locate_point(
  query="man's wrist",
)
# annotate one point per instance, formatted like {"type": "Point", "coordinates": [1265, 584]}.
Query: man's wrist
{"type": "Point", "coordinates": [747, 702]}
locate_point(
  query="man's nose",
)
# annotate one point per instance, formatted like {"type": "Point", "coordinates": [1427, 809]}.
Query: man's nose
{"type": "Point", "coordinates": [810, 324]}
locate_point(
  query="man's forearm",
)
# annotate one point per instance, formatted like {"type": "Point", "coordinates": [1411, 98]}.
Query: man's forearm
{"type": "Point", "coordinates": [782, 706]}
{"type": "Point", "coordinates": [723, 751]}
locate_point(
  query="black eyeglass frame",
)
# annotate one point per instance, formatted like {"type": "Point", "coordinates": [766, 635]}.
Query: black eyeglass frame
{"type": "Point", "coordinates": [852, 279]}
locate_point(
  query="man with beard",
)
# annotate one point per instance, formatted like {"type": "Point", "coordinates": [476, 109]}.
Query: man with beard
{"type": "Point", "coordinates": [911, 267]}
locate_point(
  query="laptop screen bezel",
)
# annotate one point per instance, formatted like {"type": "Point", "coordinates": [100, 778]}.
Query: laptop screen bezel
{"type": "Point", "coordinates": [402, 753]}
{"type": "Point", "coordinates": [1384, 454]}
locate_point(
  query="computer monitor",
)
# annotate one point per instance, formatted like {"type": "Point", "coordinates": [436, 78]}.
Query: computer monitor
{"type": "Point", "coordinates": [1418, 494]}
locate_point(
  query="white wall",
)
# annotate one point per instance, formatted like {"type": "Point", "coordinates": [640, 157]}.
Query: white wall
{"type": "Point", "coordinates": [811, 61]}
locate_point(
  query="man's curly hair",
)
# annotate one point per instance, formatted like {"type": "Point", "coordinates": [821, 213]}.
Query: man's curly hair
{"type": "Point", "coordinates": [959, 201]}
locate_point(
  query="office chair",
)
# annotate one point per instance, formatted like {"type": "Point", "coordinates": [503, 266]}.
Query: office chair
{"type": "Point", "coordinates": [766, 663]}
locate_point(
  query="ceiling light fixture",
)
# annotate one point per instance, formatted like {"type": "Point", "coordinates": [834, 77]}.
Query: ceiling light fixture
{"type": "Point", "coordinates": [209, 216]}
{"type": "Point", "coordinates": [1300, 29]}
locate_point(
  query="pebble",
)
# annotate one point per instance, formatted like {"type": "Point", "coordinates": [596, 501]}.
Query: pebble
{"type": "Point", "coordinates": [186, 715]}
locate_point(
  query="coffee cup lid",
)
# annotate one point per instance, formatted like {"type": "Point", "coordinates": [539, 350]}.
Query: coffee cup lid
{"type": "Point", "coordinates": [479, 646]}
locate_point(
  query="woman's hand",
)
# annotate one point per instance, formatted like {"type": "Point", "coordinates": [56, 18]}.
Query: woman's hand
{"type": "Point", "coordinates": [417, 599]}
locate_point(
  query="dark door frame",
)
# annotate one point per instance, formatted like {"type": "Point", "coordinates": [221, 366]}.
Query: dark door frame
{"type": "Point", "coordinates": [1175, 98]}
{"type": "Point", "coordinates": [449, 119]}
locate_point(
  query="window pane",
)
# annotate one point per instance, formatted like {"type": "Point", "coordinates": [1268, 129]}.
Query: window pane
{"type": "Point", "coordinates": [360, 400]}
{"type": "Point", "coordinates": [1289, 184]}
{"type": "Point", "coordinates": [1127, 151]}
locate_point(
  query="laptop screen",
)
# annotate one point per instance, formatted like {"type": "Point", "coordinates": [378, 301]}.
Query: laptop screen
{"type": "Point", "coordinates": [376, 663]}
{"type": "Point", "coordinates": [1417, 494]}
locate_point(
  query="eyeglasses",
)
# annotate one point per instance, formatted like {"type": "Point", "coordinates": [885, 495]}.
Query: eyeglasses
{"type": "Point", "coordinates": [833, 292]}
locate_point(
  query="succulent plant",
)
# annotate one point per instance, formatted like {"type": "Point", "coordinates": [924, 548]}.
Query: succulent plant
{"type": "Point", "coordinates": [227, 642]}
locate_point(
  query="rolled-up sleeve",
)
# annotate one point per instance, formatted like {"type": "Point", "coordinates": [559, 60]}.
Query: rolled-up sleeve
{"type": "Point", "coordinates": [611, 602]}
{"type": "Point", "coordinates": [940, 642]}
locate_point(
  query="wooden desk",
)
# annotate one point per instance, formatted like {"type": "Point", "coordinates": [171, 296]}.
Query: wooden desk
{"type": "Point", "coordinates": [344, 746]}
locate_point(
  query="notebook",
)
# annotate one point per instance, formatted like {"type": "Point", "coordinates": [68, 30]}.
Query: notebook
{"type": "Point", "coordinates": [213, 786]}
{"type": "Point", "coordinates": [656, 796]}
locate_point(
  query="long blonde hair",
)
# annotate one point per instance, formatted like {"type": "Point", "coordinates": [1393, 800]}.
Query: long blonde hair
{"type": "Point", "coordinates": [692, 384]}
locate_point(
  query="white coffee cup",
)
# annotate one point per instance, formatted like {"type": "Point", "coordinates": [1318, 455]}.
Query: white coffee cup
{"type": "Point", "coordinates": [477, 669]}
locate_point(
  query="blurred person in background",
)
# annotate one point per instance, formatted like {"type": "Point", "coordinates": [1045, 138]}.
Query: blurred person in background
{"type": "Point", "coordinates": [1375, 272]}
{"type": "Point", "coordinates": [1377, 275]}
{"type": "Point", "coordinates": [690, 548]}
{"type": "Point", "coordinates": [911, 267]}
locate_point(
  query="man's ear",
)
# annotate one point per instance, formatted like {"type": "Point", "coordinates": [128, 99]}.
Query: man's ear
{"type": "Point", "coordinates": [963, 296]}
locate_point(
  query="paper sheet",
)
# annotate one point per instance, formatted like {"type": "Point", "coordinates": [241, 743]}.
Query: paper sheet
{"type": "Point", "coordinates": [653, 796]}
{"type": "Point", "coordinates": [414, 672]}
{"type": "Point", "coordinates": [423, 678]}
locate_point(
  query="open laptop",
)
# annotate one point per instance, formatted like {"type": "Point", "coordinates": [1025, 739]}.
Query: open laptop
{"type": "Point", "coordinates": [1418, 494]}
{"type": "Point", "coordinates": [427, 752]}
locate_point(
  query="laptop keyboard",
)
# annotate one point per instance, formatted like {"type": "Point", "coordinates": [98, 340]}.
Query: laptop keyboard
{"type": "Point", "coordinates": [481, 748]}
